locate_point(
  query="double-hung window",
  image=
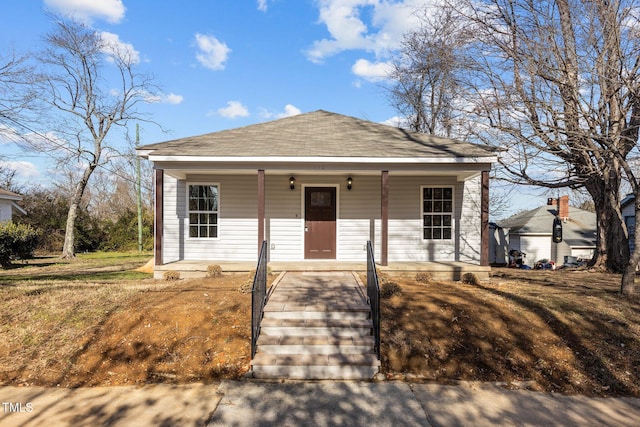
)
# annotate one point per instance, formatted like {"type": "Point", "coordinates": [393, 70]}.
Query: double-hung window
{"type": "Point", "coordinates": [203, 204]}
{"type": "Point", "coordinates": [437, 213]}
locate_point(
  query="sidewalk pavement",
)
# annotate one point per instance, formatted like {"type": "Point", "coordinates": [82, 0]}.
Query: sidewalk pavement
{"type": "Point", "coordinates": [321, 403]}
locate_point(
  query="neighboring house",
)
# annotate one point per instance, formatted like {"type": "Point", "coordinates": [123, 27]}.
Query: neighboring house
{"type": "Point", "coordinates": [9, 205]}
{"type": "Point", "coordinates": [319, 186]}
{"type": "Point", "coordinates": [629, 214]}
{"type": "Point", "coordinates": [530, 232]}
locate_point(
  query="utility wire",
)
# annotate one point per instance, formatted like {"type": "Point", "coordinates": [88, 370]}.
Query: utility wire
{"type": "Point", "coordinates": [64, 147]}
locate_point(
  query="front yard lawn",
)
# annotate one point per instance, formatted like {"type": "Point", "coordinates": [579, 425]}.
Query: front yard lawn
{"type": "Point", "coordinates": [94, 321]}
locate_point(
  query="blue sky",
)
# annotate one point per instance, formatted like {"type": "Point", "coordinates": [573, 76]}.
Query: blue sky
{"type": "Point", "coordinates": [228, 63]}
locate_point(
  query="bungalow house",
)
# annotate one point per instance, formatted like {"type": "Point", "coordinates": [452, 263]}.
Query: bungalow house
{"type": "Point", "coordinates": [530, 232]}
{"type": "Point", "coordinates": [318, 186]}
{"type": "Point", "coordinates": [9, 205]}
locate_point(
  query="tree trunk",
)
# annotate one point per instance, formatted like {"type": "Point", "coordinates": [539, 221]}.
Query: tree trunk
{"type": "Point", "coordinates": [628, 285]}
{"type": "Point", "coordinates": [69, 248]}
{"type": "Point", "coordinates": [612, 242]}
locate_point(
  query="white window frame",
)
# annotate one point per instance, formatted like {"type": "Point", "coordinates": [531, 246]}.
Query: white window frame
{"type": "Point", "coordinates": [442, 227]}
{"type": "Point", "coordinates": [189, 211]}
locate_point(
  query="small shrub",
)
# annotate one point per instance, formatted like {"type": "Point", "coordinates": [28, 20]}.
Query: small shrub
{"type": "Point", "coordinates": [246, 287]}
{"type": "Point", "coordinates": [389, 289]}
{"type": "Point", "coordinates": [214, 270]}
{"type": "Point", "coordinates": [171, 275]}
{"type": "Point", "coordinates": [424, 277]}
{"type": "Point", "coordinates": [469, 279]}
{"type": "Point", "coordinates": [16, 241]}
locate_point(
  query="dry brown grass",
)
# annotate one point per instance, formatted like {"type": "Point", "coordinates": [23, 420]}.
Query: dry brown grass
{"type": "Point", "coordinates": [91, 322]}
{"type": "Point", "coordinates": [557, 331]}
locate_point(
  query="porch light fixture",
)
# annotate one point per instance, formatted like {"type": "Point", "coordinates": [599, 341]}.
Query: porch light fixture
{"type": "Point", "coordinates": [349, 183]}
{"type": "Point", "coordinates": [292, 181]}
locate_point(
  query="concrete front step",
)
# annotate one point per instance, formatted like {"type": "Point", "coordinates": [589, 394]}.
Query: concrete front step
{"type": "Point", "coordinates": [315, 345]}
{"type": "Point", "coordinates": [269, 322]}
{"type": "Point", "coordinates": [316, 326]}
{"type": "Point", "coordinates": [301, 331]}
{"type": "Point", "coordinates": [319, 315]}
{"type": "Point", "coordinates": [281, 306]}
{"type": "Point", "coordinates": [296, 366]}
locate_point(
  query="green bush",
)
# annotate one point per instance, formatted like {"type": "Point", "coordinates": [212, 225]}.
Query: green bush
{"type": "Point", "coordinates": [16, 241]}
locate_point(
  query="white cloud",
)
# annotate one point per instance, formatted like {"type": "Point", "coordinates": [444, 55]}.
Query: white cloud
{"type": "Point", "coordinates": [46, 142]}
{"type": "Point", "coordinates": [162, 98]}
{"type": "Point", "coordinates": [289, 110]}
{"type": "Point", "coordinates": [114, 47]}
{"type": "Point", "coordinates": [172, 98]}
{"type": "Point", "coordinates": [233, 110]}
{"type": "Point", "coordinates": [22, 168]}
{"type": "Point", "coordinates": [212, 52]}
{"type": "Point", "coordinates": [262, 5]}
{"type": "Point", "coordinates": [388, 22]}
{"type": "Point", "coordinates": [372, 71]}
{"type": "Point", "coordinates": [88, 10]}
{"type": "Point", "coordinates": [9, 135]}
{"type": "Point", "coordinates": [397, 121]}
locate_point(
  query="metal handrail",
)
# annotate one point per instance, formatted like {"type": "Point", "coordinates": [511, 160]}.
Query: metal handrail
{"type": "Point", "coordinates": [258, 297]}
{"type": "Point", "coordinates": [373, 294]}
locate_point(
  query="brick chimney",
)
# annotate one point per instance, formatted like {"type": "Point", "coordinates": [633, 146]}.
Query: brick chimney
{"type": "Point", "coordinates": [562, 205]}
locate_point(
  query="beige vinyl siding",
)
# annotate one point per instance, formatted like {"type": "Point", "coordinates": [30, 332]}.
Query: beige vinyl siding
{"type": "Point", "coordinates": [285, 214]}
{"type": "Point", "coordinates": [359, 218]}
{"type": "Point", "coordinates": [406, 241]}
{"type": "Point", "coordinates": [173, 232]}
{"type": "Point", "coordinates": [5, 210]}
{"type": "Point", "coordinates": [284, 220]}
{"type": "Point", "coordinates": [238, 229]}
{"type": "Point", "coordinates": [468, 199]}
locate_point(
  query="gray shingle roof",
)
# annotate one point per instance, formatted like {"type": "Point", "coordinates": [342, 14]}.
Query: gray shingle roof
{"type": "Point", "coordinates": [6, 194]}
{"type": "Point", "coordinates": [318, 134]}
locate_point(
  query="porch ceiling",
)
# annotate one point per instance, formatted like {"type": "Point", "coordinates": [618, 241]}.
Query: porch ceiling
{"type": "Point", "coordinates": [460, 173]}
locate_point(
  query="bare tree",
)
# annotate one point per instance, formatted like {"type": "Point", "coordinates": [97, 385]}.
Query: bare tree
{"type": "Point", "coordinates": [426, 71]}
{"type": "Point", "coordinates": [90, 85]}
{"type": "Point", "coordinates": [556, 85]}
{"type": "Point", "coordinates": [14, 94]}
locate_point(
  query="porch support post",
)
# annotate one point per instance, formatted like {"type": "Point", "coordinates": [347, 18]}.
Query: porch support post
{"type": "Point", "coordinates": [484, 220]}
{"type": "Point", "coordinates": [384, 216]}
{"type": "Point", "coordinates": [261, 206]}
{"type": "Point", "coordinates": [159, 216]}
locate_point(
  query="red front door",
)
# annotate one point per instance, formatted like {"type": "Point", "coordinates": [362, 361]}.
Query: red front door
{"type": "Point", "coordinates": [320, 223]}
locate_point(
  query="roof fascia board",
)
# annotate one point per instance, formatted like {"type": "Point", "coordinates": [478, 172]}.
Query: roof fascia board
{"type": "Point", "coordinates": [16, 198]}
{"type": "Point", "coordinates": [18, 208]}
{"type": "Point", "coordinates": [283, 159]}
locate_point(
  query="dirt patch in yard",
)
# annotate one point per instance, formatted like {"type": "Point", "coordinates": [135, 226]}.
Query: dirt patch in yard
{"type": "Point", "coordinates": [91, 323]}
{"type": "Point", "coordinates": [194, 331]}
{"type": "Point", "coordinates": [115, 333]}
{"type": "Point", "coordinates": [560, 331]}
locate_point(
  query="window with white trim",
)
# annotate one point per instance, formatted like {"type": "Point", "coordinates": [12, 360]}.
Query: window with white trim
{"type": "Point", "coordinates": [437, 213]}
{"type": "Point", "coordinates": [203, 205]}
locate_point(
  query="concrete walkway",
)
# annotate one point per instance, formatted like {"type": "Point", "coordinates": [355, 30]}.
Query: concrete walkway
{"type": "Point", "coordinates": [324, 403]}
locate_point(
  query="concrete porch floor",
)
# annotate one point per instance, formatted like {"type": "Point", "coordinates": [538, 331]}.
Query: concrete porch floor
{"type": "Point", "coordinates": [440, 270]}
